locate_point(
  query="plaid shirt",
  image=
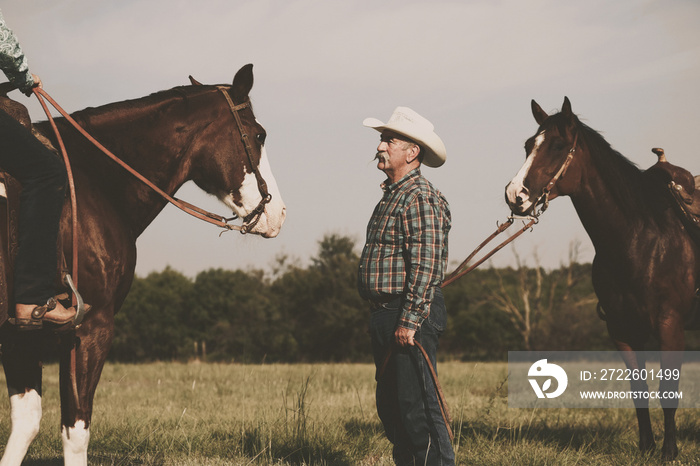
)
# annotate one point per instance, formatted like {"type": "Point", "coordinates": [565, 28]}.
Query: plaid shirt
{"type": "Point", "coordinates": [406, 248]}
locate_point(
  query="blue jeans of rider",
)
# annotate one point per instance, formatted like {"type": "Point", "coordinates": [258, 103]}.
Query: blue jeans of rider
{"type": "Point", "coordinates": [407, 401]}
{"type": "Point", "coordinates": [43, 178]}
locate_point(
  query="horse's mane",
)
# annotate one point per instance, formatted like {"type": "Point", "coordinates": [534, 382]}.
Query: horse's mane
{"type": "Point", "coordinates": [624, 180]}
{"type": "Point", "coordinates": [620, 175]}
{"type": "Point", "coordinates": [141, 105]}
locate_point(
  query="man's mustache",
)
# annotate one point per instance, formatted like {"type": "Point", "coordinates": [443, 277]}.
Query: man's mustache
{"type": "Point", "coordinates": [383, 156]}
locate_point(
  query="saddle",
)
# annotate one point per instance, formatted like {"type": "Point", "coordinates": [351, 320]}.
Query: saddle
{"type": "Point", "coordinates": [684, 189]}
{"type": "Point", "coordinates": [10, 190]}
{"type": "Point", "coordinates": [688, 202]}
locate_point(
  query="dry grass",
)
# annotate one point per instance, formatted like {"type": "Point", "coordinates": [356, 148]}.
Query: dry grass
{"type": "Point", "coordinates": [323, 414]}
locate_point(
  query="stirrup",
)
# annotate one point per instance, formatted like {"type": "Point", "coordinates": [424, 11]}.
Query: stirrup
{"type": "Point", "coordinates": [80, 306]}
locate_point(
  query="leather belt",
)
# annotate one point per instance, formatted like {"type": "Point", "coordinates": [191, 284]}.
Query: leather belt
{"type": "Point", "coordinates": [380, 302]}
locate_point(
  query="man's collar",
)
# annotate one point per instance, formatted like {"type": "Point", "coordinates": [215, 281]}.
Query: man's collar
{"type": "Point", "coordinates": [389, 187]}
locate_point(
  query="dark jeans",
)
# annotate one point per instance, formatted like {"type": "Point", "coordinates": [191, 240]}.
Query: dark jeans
{"type": "Point", "coordinates": [407, 401]}
{"type": "Point", "coordinates": [43, 178]}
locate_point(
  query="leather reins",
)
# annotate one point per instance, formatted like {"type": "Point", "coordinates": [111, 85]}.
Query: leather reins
{"type": "Point", "coordinates": [444, 410]}
{"type": "Point", "coordinates": [534, 219]}
{"type": "Point", "coordinates": [248, 222]}
{"type": "Point", "coordinates": [71, 187]}
{"type": "Point", "coordinates": [458, 272]}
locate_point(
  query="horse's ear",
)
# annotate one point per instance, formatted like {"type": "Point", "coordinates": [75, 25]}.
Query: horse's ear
{"type": "Point", "coordinates": [539, 114]}
{"type": "Point", "coordinates": [242, 83]}
{"type": "Point", "coordinates": [566, 108]}
{"type": "Point", "coordinates": [194, 81]}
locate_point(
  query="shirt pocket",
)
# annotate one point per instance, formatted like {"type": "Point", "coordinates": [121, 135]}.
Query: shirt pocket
{"type": "Point", "coordinates": [391, 231]}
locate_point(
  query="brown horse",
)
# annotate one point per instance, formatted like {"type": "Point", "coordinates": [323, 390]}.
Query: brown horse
{"type": "Point", "coordinates": [646, 267]}
{"type": "Point", "coordinates": [187, 133]}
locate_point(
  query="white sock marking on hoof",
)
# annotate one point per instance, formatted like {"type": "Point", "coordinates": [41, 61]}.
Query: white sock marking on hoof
{"type": "Point", "coordinates": [26, 418]}
{"type": "Point", "coordinates": [75, 444]}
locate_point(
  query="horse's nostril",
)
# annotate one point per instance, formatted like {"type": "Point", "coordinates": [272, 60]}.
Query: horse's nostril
{"type": "Point", "coordinates": [522, 196]}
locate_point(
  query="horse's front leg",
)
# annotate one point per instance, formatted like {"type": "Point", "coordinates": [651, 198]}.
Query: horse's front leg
{"type": "Point", "coordinates": [634, 360]}
{"type": "Point", "coordinates": [672, 346]}
{"type": "Point", "coordinates": [22, 363]}
{"type": "Point", "coordinates": [82, 361]}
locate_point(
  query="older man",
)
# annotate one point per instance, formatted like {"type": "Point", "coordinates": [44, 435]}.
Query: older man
{"type": "Point", "coordinates": [401, 268]}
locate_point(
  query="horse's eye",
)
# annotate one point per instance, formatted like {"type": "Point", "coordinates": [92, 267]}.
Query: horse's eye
{"type": "Point", "coordinates": [559, 146]}
{"type": "Point", "coordinates": [261, 138]}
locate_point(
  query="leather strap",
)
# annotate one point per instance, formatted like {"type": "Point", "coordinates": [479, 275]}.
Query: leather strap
{"type": "Point", "coordinates": [534, 219]}
{"type": "Point", "coordinates": [252, 219]}
{"type": "Point", "coordinates": [186, 207]}
{"type": "Point", "coordinates": [438, 389]}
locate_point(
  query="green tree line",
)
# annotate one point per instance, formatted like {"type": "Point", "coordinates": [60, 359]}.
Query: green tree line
{"type": "Point", "coordinates": [314, 314]}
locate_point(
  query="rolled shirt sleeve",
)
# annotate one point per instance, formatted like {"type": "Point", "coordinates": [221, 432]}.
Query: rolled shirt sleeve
{"type": "Point", "coordinates": [12, 60]}
{"type": "Point", "coordinates": [424, 249]}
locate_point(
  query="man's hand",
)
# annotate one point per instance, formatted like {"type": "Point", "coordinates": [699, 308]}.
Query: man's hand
{"type": "Point", "coordinates": [37, 81]}
{"type": "Point", "coordinates": [404, 336]}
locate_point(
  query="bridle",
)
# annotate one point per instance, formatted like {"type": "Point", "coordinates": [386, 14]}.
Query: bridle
{"type": "Point", "coordinates": [464, 268]}
{"type": "Point", "coordinates": [544, 197]}
{"type": "Point", "coordinates": [250, 220]}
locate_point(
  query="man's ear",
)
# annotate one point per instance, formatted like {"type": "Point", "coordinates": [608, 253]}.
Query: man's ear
{"type": "Point", "coordinates": [413, 153]}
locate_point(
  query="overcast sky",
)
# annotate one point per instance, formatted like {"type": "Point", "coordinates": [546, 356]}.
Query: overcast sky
{"type": "Point", "coordinates": [631, 69]}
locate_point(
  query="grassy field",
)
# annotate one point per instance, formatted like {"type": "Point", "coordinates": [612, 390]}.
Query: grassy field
{"type": "Point", "coordinates": [216, 414]}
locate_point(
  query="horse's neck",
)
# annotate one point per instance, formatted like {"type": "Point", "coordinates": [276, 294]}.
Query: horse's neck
{"type": "Point", "coordinates": [148, 144]}
{"type": "Point", "coordinates": [607, 220]}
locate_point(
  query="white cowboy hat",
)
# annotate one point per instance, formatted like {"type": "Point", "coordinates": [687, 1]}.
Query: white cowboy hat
{"type": "Point", "coordinates": [407, 122]}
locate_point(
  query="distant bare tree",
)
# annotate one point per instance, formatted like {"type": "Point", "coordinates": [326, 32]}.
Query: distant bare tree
{"type": "Point", "coordinates": [531, 300]}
